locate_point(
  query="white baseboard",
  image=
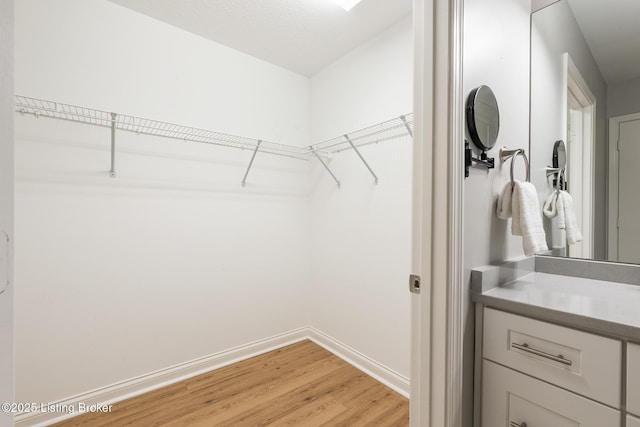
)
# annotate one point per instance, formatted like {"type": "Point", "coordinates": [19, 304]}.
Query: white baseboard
{"type": "Point", "coordinates": [164, 377]}
{"type": "Point", "coordinates": [367, 365]}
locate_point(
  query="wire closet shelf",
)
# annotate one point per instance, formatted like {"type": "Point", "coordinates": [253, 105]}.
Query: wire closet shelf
{"type": "Point", "coordinates": [139, 125]}
{"type": "Point", "coordinates": [385, 131]}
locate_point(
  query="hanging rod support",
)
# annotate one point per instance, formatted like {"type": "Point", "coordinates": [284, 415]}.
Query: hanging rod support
{"type": "Point", "coordinates": [361, 158]}
{"type": "Point", "coordinates": [404, 120]}
{"type": "Point", "coordinates": [253, 157]}
{"type": "Point", "coordinates": [325, 166]}
{"type": "Point", "coordinates": [112, 173]}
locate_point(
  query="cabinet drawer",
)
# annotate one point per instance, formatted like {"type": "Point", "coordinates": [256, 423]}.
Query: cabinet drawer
{"type": "Point", "coordinates": [633, 379]}
{"type": "Point", "coordinates": [587, 364]}
{"type": "Point", "coordinates": [510, 398]}
{"type": "Point", "coordinates": [633, 421]}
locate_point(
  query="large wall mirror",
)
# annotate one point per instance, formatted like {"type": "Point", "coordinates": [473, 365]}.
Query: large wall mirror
{"type": "Point", "coordinates": [585, 90]}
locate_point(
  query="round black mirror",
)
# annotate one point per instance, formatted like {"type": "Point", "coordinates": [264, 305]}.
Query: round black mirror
{"type": "Point", "coordinates": [559, 155]}
{"type": "Point", "coordinates": [483, 118]}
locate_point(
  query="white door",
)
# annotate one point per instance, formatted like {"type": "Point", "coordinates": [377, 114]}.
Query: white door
{"type": "Point", "coordinates": [6, 208]}
{"type": "Point", "coordinates": [628, 191]}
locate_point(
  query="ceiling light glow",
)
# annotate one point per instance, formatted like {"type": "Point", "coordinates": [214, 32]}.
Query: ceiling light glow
{"type": "Point", "coordinates": [346, 4]}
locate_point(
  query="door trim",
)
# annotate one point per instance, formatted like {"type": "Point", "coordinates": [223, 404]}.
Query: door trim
{"type": "Point", "coordinates": [456, 290]}
{"type": "Point", "coordinates": [577, 85]}
{"type": "Point", "coordinates": [7, 203]}
{"type": "Point", "coordinates": [614, 126]}
{"type": "Point", "coordinates": [437, 315]}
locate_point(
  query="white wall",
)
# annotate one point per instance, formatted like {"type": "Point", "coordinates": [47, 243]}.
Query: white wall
{"type": "Point", "coordinates": [369, 85]}
{"type": "Point", "coordinates": [71, 51]}
{"type": "Point", "coordinates": [173, 260]}
{"type": "Point", "coordinates": [6, 206]}
{"type": "Point", "coordinates": [555, 31]}
{"type": "Point", "coordinates": [496, 54]}
{"type": "Point", "coordinates": [361, 233]}
{"type": "Point", "coordinates": [623, 98]}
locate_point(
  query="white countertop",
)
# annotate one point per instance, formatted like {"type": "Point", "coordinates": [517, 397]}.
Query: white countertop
{"type": "Point", "coordinates": [601, 306]}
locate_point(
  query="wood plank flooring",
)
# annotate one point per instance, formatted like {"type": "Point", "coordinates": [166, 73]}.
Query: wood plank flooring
{"type": "Point", "coordinates": [298, 385]}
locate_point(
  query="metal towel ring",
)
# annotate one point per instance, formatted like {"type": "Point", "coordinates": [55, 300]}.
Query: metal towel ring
{"type": "Point", "coordinates": [506, 153]}
{"type": "Point", "coordinates": [526, 162]}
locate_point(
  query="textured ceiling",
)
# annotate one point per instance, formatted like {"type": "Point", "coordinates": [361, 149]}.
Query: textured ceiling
{"type": "Point", "coordinates": [612, 31]}
{"type": "Point", "coordinates": [303, 36]}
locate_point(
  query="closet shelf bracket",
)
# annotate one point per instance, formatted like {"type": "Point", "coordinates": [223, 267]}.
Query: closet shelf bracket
{"type": "Point", "coordinates": [114, 118]}
{"type": "Point", "coordinates": [253, 157]}
{"type": "Point", "coordinates": [406, 124]}
{"type": "Point", "coordinates": [325, 165]}
{"type": "Point", "coordinates": [361, 158]}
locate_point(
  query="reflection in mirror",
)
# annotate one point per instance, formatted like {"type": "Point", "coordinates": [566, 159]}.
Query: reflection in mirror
{"type": "Point", "coordinates": [559, 155]}
{"type": "Point", "coordinates": [585, 90]}
{"type": "Point", "coordinates": [559, 163]}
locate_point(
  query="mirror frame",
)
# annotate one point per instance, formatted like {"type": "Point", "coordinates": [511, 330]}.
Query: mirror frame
{"type": "Point", "coordinates": [471, 118]}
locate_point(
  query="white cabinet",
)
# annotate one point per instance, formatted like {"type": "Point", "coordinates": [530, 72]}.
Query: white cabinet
{"type": "Point", "coordinates": [633, 379]}
{"type": "Point", "coordinates": [536, 373]}
{"type": "Point", "coordinates": [584, 363]}
{"type": "Point", "coordinates": [513, 399]}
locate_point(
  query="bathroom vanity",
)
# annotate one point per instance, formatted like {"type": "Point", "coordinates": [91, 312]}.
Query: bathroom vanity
{"type": "Point", "coordinates": [557, 343]}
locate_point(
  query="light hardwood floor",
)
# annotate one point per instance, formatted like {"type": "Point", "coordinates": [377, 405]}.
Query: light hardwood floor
{"type": "Point", "coordinates": [298, 385]}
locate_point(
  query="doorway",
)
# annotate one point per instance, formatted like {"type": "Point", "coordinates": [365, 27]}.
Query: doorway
{"type": "Point", "coordinates": [624, 205]}
{"type": "Point", "coordinates": [581, 105]}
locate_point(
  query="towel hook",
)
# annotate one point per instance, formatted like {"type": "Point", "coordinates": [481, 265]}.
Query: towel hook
{"type": "Point", "coordinates": [506, 153]}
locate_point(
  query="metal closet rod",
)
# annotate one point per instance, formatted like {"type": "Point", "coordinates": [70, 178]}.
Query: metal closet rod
{"type": "Point", "coordinates": [373, 134]}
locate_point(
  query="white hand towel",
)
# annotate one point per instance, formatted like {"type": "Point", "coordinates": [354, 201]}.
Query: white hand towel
{"type": "Point", "coordinates": [503, 210]}
{"type": "Point", "coordinates": [550, 208]}
{"type": "Point", "coordinates": [507, 208]}
{"type": "Point", "coordinates": [569, 223]}
{"type": "Point", "coordinates": [519, 201]}
{"type": "Point", "coordinates": [561, 212]}
{"type": "Point", "coordinates": [526, 207]}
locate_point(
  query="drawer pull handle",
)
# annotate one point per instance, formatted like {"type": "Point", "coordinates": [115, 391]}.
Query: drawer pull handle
{"type": "Point", "coordinates": [525, 347]}
{"type": "Point", "coordinates": [515, 424]}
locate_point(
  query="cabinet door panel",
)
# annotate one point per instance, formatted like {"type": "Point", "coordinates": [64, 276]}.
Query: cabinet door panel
{"type": "Point", "coordinates": [584, 363]}
{"type": "Point", "coordinates": [510, 398]}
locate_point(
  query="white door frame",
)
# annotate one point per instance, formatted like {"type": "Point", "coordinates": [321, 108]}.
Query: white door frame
{"type": "Point", "coordinates": [437, 316]}
{"type": "Point", "coordinates": [6, 207]}
{"type": "Point", "coordinates": [579, 88]}
{"type": "Point", "coordinates": [614, 156]}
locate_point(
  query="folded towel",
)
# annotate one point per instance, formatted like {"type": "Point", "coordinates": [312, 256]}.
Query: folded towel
{"type": "Point", "coordinates": [567, 220]}
{"type": "Point", "coordinates": [550, 208]}
{"type": "Point", "coordinates": [505, 207]}
{"type": "Point", "coordinates": [558, 237]}
{"type": "Point", "coordinates": [560, 204]}
{"type": "Point", "coordinates": [504, 202]}
{"type": "Point", "coordinates": [519, 200]}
